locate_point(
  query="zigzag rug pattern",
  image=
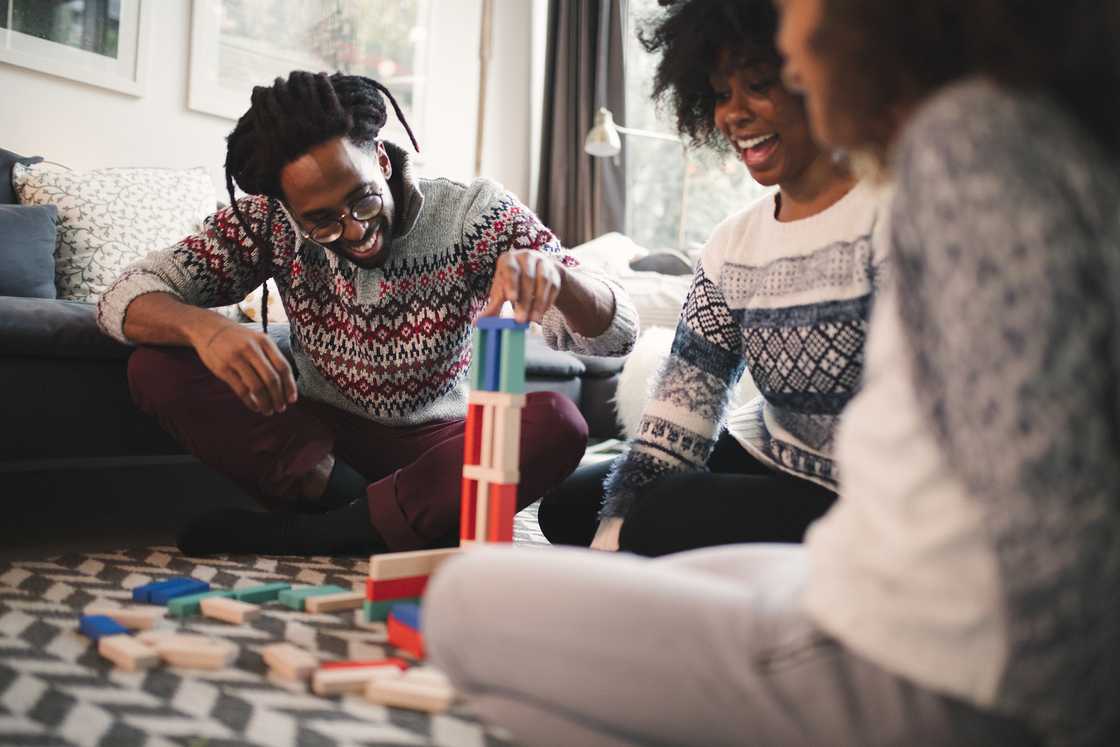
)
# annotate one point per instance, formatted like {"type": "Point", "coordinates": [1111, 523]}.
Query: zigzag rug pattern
{"type": "Point", "coordinates": [55, 689]}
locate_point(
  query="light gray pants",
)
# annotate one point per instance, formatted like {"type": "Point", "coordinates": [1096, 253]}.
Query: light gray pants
{"type": "Point", "coordinates": [575, 648]}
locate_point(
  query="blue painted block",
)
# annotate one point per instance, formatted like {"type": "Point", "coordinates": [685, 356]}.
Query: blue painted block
{"type": "Point", "coordinates": [97, 626]}
{"type": "Point", "coordinates": [144, 593]}
{"type": "Point", "coordinates": [167, 593]}
{"type": "Point", "coordinates": [407, 614]}
{"type": "Point", "coordinates": [499, 323]}
{"type": "Point", "coordinates": [492, 365]}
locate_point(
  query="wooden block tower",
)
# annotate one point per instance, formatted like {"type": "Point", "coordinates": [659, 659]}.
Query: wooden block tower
{"type": "Point", "coordinates": [493, 433]}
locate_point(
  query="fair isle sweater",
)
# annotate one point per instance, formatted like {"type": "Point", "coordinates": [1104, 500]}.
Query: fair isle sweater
{"type": "Point", "coordinates": [975, 548]}
{"type": "Point", "coordinates": [391, 344]}
{"type": "Point", "coordinates": [789, 302]}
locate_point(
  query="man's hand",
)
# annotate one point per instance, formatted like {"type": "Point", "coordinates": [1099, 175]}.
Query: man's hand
{"type": "Point", "coordinates": [606, 538]}
{"type": "Point", "coordinates": [251, 364]}
{"type": "Point", "coordinates": [528, 279]}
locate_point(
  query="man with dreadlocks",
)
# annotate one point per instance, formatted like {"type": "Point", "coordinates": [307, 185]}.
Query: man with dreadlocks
{"type": "Point", "coordinates": [382, 275]}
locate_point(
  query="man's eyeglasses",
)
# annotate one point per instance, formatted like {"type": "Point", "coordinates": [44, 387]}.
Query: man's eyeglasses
{"type": "Point", "coordinates": [364, 208]}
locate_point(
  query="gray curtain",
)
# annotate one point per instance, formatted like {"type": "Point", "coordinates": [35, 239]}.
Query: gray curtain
{"type": "Point", "coordinates": [580, 197]}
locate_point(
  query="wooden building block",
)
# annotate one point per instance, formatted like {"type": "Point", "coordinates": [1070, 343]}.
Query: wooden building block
{"type": "Point", "coordinates": [191, 603]}
{"type": "Point", "coordinates": [379, 611]}
{"type": "Point", "coordinates": [472, 435]}
{"type": "Point", "coordinates": [165, 594]}
{"type": "Point", "coordinates": [288, 661]}
{"type": "Point", "coordinates": [343, 600]}
{"type": "Point", "coordinates": [468, 510]}
{"type": "Point", "coordinates": [144, 593]}
{"type": "Point", "coordinates": [499, 323]}
{"type": "Point", "coordinates": [391, 565]}
{"type": "Point", "coordinates": [477, 360]}
{"type": "Point", "coordinates": [407, 613]}
{"type": "Point", "coordinates": [400, 664]}
{"type": "Point", "coordinates": [191, 651]}
{"type": "Point", "coordinates": [492, 359]}
{"type": "Point", "coordinates": [428, 675]}
{"type": "Point", "coordinates": [350, 679]}
{"type": "Point", "coordinates": [260, 594]}
{"type": "Point", "coordinates": [418, 696]}
{"type": "Point", "coordinates": [295, 598]}
{"type": "Point", "coordinates": [229, 610]}
{"type": "Point", "coordinates": [507, 440]}
{"type": "Point", "coordinates": [482, 474]}
{"type": "Point", "coordinates": [482, 511]}
{"type": "Point", "coordinates": [503, 506]}
{"type": "Point", "coordinates": [395, 589]}
{"type": "Point", "coordinates": [139, 617]}
{"type": "Point", "coordinates": [486, 449]}
{"type": "Point", "coordinates": [512, 377]}
{"type": "Point", "coordinates": [96, 627]}
{"type": "Point", "coordinates": [404, 630]}
{"type": "Point", "coordinates": [495, 399]}
{"type": "Point", "coordinates": [127, 653]}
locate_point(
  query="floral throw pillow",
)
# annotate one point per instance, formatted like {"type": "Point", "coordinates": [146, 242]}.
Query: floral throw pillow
{"type": "Point", "coordinates": [109, 218]}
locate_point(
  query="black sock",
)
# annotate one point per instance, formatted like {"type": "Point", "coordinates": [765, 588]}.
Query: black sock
{"type": "Point", "coordinates": [234, 531]}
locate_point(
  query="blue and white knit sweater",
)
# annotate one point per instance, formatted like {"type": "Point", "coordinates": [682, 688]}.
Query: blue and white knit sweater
{"type": "Point", "coordinates": [788, 302]}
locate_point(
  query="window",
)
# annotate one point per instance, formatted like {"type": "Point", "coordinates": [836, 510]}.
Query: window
{"type": "Point", "coordinates": [660, 182]}
{"type": "Point", "coordinates": [242, 43]}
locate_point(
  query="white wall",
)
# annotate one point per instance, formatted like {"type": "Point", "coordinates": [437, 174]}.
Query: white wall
{"type": "Point", "coordinates": [85, 127]}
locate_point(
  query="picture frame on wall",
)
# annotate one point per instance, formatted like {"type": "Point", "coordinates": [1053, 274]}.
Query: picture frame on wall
{"type": "Point", "coordinates": [238, 44]}
{"type": "Point", "coordinates": [102, 43]}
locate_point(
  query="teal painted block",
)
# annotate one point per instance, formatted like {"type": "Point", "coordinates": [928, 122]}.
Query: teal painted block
{"type": "Point", "coordinates": [379, 611]}
{"type": "Point", "coordinates": [476, 359]}
{"type": "Point", "coordinates": [295, 598]}
{"type": "Point", "coordinates": [191, 604]}
{"type": "Point", "coordinates": [512, 362]}
{"type": "Point", "coordinates": [260, 594]}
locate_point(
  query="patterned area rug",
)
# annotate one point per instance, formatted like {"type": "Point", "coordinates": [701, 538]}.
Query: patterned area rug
{"type": "Point", "coordinates": [55, 689]}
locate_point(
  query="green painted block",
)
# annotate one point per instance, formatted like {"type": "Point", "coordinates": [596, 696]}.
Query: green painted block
{"type": "Point", "coordinates": [295, 598]}
{"type": "Point", "coordinates": [513, 362]}
{"type": "Point", "coordinates": [191, 604]}
{"type": "Point", "coordinates": [379, 611]}
{"type": "Point", "coordinates": [476, 359]}
{"type": "Point", "coordinates": [259, 594]}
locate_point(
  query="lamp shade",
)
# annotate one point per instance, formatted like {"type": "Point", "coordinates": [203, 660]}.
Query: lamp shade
{"type": "Point", "coordinates": [603, 140]}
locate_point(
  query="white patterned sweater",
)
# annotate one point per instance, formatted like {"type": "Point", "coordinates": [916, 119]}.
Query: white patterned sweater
{"type": "Point", "coordinates": [789, 302]}
{"type": "Point", "coordinates": [391, 344]}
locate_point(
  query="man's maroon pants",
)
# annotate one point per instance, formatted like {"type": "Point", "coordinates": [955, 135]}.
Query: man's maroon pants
{"type": "Point", "coordinates": [414, 471]}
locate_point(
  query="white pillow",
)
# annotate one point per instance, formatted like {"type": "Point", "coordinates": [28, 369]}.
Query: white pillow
{"type": "Point", "coordinates": [108, 218]}
{"type": "Point", "coordinates": [251, 305]}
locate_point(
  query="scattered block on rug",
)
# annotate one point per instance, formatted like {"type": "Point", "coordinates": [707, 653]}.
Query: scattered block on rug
{"type": "Point", "coordinates": [402, 692]}
{"type": "Point", "coordinates": [191, 604]}
{"type": "Point", "coordinates": [260, 594]}
{"type": "Point", "coordinates": [139, 617]}
{"type": "Point", "coordinates": [221, 607]}
{"type": "Point", "coordinates": [95, 627]}
{"type": "Point", "coordinates": [127, 653]}
{"type": "Point", "coordinates": [186, 587]}
{"type": "Point", "coordinates": [296, 597]}
{"type": "Point", "coordinates": [191, 651]}
{"type": "Point", "coordinates": [144, 593]}
{"type": "Point", "coordinates": [288, 661]}
{"type": "Point", "coordinates": [347, 664]}
{"type": "Point", "coordinates": [404, 564]}
{"type": "Point", "coordinates": [335, 681]}
{"type": "Point", "coordinates": [343, 600]}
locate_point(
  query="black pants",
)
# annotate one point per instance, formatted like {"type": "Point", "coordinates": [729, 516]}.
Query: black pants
{"type": "Point", "coordinates": [739, 499]}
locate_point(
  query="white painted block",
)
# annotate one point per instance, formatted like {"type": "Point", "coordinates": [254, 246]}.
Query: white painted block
{"type": "Point", "coordinates": [350, 679]}
{"type": "Point", "coordinates": [229, 610]}
{"type": "Point", "coordinates": [345, 600]}
{"type": "Point", "coordinates": [127, 653]}
{"type": "Point", "coordinates": [507, 441]}
{"type": "Point", "coordinates": [418, 696]}
{"type": "Point", "coordinates": [138, 617]}
{"type": "Point", "coordinates": [387, 566]}
{"type": "Point", "coordinates": [487, 474]}
{"type": "Point", "coordinates": [288, 661]}
{"type": "Point", "coordinates": [503, 399]}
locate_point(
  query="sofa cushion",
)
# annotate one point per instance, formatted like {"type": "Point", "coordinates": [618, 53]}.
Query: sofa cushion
{"type": "Point", "coordinates": [542, 362]}
{"type": "Point", "coordinates": [7, 160]}
{"type": "Point", "coordinates": [27, 236]}
{"type": "Point", "coordinates": [108, 218]}
{"type": "Point", "coordinates": [48, 328]}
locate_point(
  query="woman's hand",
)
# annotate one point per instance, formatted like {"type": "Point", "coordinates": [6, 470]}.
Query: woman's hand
{"type": "Point", "coordinates": [606, 538]}
{"type": "Point", "coordinates": [529, 280]}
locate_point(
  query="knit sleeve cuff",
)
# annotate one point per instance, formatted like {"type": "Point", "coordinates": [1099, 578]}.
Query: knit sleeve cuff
{"type": "Point", "coordinates": [113, 305]}
{"type": "Point", "coordinates": [616, 340]}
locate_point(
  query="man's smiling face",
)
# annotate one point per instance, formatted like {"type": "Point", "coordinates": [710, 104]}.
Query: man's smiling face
{"type": "Point", "coordinates": [324, 184]}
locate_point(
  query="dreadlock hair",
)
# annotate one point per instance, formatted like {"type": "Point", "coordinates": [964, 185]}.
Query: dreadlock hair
{"type": "Point", "coordinates": [287, 119]}
{"type": "Point", "coordinates": [691, 35]}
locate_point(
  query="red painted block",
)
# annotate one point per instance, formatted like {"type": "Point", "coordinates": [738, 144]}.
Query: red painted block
{"type": "Point", "coordinates": [400, 663]}
{"type": "Point", "coordinates": [503, 505]}
{"type": "Point", "coordinates": [470, 509]}
{"type": "Point", "coordinates": [405, 638]}
{"type": "Point", "coordinates": [472, 436]}
{"type": "Point", "coordinates": [395, 588]}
